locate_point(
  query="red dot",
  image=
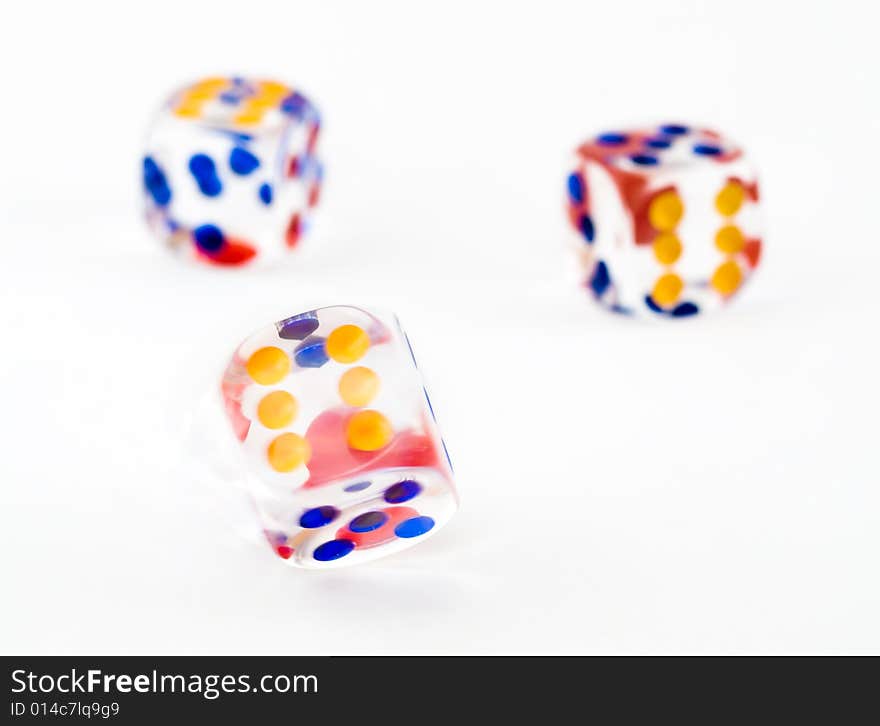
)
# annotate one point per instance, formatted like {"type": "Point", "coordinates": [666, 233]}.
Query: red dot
{"type": "Point", "coordinates": [234, 252]}
{"type": "Point", "coordinates": [292, 234]}
{"type": "Point", "coordinates": [314, 195]}
{"type": "Point", "coordinates": [752, 252]}
{"type": "Point", "coordinates": [284, 552]}
{"type": "Point", "coordinates": [574, 216]}
{"type": "Point", "coordinates": [313, 138]}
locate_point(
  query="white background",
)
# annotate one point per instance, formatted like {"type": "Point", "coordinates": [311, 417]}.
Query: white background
{"type": "Point", "coordinates": [709, 486]}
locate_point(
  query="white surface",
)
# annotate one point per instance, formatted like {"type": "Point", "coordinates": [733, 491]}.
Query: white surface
{"type": "Point", "coordinates": [704, 486]}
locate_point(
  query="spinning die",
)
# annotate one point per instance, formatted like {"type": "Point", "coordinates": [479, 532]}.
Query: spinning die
{"type": "Point", "coordinates": [666, 219]}
{"type": "Point", "coordinates": [344, 459]}
{"type": "Point", "coordinates": [230, 173]}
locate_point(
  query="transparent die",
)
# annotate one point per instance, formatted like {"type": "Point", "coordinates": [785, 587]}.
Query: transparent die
{"type": "Point", "coordinates": [666, 219]}
{"type": "Point", "coordinates": [230, 172]}
{"type": "Point", "coordinates": [343, 458]}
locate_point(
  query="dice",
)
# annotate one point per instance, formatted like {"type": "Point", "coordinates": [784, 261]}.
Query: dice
{"type": "Point", "coordinates": [230, 172]}
{"type": "Point", "coordinates": [344, 459]}
{"type": "Point", "coordinates": [666, 219]}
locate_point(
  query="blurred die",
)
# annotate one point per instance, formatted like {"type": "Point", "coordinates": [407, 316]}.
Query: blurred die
{"type": "Point", "coordinates": [230, 173]}
{"type": "Point", "coordinates": [666, 219]}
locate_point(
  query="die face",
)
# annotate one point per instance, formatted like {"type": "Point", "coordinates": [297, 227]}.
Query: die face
{"type": "Point", "coordinates": [344, 459]}
{"type": "Point", "coordinates": [230, 173]}
{"type": "Point", "coordinates": [666, 218]}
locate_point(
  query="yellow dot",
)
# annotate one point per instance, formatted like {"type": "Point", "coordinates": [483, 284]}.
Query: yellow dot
{"type": "Point", "coordinates": [358, 386]}
{"type": "Point", "coordinates": [729, 239]}
{"type": "Point", "coordinates": [268, 365]}
{"type": "Point", "coordinates": [288, 451]}
{"type": "Point", "coordinates": [667, 289]}
{"type": "Point", "coordinates": [730, 198]}
{"type": "Point", "coordinates": [667, 248]}
{"type": "Point", "coordinates": [205, 90]}
{"type": "Point", "coordinates": [249, 117]}
{"type": "Point", "coordinates": [369, 431]}
{"type": "Point", "coordinates": [727, 277]}
{"type": "Point", "coordinates": [665, 211]}
{"type": "Point", "coordinates": [258, 104]}
{"type": "Point", "coordinates": [198, 95]}
{"type": "Point", "coordinates": [274, 89]}
{"type": "Point", "coordinates": [277, 410]}
{"type": "Point", "coordinates": [210, 84]}
{"type": "Point", "coordinates": [188, 109]}
{"type": "Point", "coordinates": [347, 343]}
{"type": "Point", "coordinates": [202, 93]}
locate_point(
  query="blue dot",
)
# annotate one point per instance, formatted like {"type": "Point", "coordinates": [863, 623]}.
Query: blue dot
{"type": "Point", "coordinates": [297, 327]}
{"type": "Point", "coordinates": [317, 169]}
{"type": "Point", "coordinates": [210, 186]}
{"type": "Point", "coordinates": [649, 301]}
{"type": "Point", "coordinates": [414, 527]}
{"type": "Point", "coordinates": [658, 143]}
{"type": "Point", "coordinates": [208, 238]}
{"type": "Point", "coordinates": [358, 487]}
{"type": "Point", "coordinates": [318, 517]}
{"type": "Point", "coordinates": [295, 105]}
{"type": "Point", "coordinates": [230, 97]}
{"type": "Point", "coordinates": [587, 228]}
{"type": "Point", "coordinates": [242, 161]}
{"type": "Point", "coordinates": [643, 159]}
{"type": "Point", "coordinates": [674, 129]}
{"type": "Point", "coordinates": [310, 353]}
{"type": "Point", "coordinates": [684, 310]}
{"type": "Point", "coordinates": [576, 187]}
{"type": "Point", "coordinates": [156, 183]}
{"type": "Point", "coordinates": [161, 194]}
{"type": "Point", "coordinates": [368, 522]}
{"type": "Point", "coordinates": [707, 149]}
{"type": "Point", "coordinates": [403, 491]}
{"type": "Point", "coordinates": [333, 550]}
{"type": "Point", "coordinates": [612, 139]}
{"type": "Point", "coordinates": [202, 165]}
{"type": "Point", "coordinates": [204, 171]}
{"type": "Point", "coordinates": [266, 194]}
{"type": "Point", "coordinates": [601, 280]}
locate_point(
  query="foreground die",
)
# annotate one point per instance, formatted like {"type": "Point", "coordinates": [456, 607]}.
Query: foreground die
{"type": "Point", "coordinates": [344, 459]}
{"type": "Point", "coordinates": [666, 219]}
{"type": "Point", "coordinates": [230, 173]}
